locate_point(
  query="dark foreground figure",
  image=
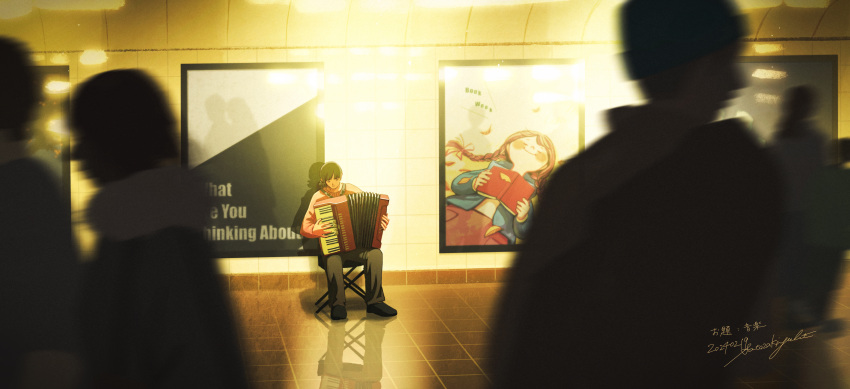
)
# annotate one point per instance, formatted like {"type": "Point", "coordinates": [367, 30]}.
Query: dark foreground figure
{"type": "Point", "coordinates": [154, 314]}
{"type": "Point", "coordinates": [656, 237]}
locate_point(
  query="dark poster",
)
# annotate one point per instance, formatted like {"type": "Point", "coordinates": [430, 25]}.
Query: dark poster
{"type": "Point", "coordinates": [254, 132]}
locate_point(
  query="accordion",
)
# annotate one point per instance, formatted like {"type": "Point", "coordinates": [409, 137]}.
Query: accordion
{"type": "Point", "coordinates": [355, 220]}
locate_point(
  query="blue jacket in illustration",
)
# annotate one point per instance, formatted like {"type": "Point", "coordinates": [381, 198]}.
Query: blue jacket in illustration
{"type": "Point", "coordinates": [467, 198]}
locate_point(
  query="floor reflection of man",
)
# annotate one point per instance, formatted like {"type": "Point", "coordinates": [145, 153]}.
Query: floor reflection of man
{"type": "Point", "coordinates": [364, 340]}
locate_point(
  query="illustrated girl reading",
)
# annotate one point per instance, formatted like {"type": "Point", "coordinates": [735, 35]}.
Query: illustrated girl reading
{"type": "Point", "coordinates": [493, 206]}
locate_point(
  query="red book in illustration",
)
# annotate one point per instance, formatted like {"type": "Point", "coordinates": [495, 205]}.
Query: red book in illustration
{"type": "Point", "coordinates": [506, 186]}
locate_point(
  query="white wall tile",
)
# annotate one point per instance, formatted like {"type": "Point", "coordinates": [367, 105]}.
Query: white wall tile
{"type": "Point", "coordinates": [390, 115]}
{"type": "Point", "coordinates": [391, 145]}
{"type": "Point", "coordinates": [271, 55]}
{"type": "Point", "coordinates": [154, 63]}
{"type": "Point", "coordinates": [452, 261]}
{"type": "Point", "coordinates": [361, 144]}
{"type": "Point", "coordinates": [273, 265]}
{"type": "Point", "coordinates": [421, 114]}
{"type": "Point", "coordinates": [396, 232]}
{"type": "Point", "coordinates": [508, 52]}
{"type": "Point", "coordinates": [449, 53]}
{"type": "Point", "coordinates": [361, 173]}
{"type": "Point", "coordinates": [395, 256]}
{"type": "Point", "coordinates": [421, 86]}
{"type": "Point", "coordinates": [212, 56]}
{"type": "Point", "coordinates": [304, 265]}
{"type": "Point", "coordinates": [422, 59]}
{"type": "Point", "coordinates": [391, 172]}
{"type": "Point", "coordinates": [478, 53]}
{"type": "Point", "coordinates": [244, 265]}
{"type": "Point", "coordinates": [421, 256]}
{"type": "Point", "coordinates": [422, 171]}
{"type": "Point", "coordinates": [505, 259]}
{"type": "Point", "coordinates": [481, 260]}
{"type": "Point", "coordinates": [360, 115]}
{"type": "Point", "coordinates": [422, 200]}
{"type": "Point", "coordinates": [179, 57]}
{"type": "Point", "coordinates": [421, 144]}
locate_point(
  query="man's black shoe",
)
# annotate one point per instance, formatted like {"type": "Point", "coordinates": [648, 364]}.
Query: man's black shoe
{"type": "Point", "coordinates": [381, 309]}
{"type": "Point", "coordinates": [338, 312]}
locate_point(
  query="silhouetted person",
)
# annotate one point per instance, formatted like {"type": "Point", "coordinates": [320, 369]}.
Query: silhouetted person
{"type": "Point", "coordinates": [799, 149]}
{"type": "Point", "coordinates": [154, 314]}
{"type": "Point", "coordinates": [827, 225]}
{"type": "Point", "coordinates": [655, 238]}
{"type": "Point", "coordinates": [38, 284]}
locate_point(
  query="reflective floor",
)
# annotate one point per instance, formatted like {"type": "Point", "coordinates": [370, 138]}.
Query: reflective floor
{"type": "Point", "coordinates": [439, 340]}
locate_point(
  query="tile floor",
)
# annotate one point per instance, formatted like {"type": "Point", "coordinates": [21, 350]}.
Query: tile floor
{"type": "Point", "coordinates": [439, 340]}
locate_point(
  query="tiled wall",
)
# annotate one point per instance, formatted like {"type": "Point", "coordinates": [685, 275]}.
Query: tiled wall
{"type": "Point", "coordinates": [381, 80]}
{"type": "Point", "coordinates": [381, 113]}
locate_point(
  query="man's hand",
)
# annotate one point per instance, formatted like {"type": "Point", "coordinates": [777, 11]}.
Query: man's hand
{"type": "Point", "coordinates": [522, 209]}
{"type": "Point", "coordinates": [482, 179]}
{"type": "Point", "coordinates": [385, 221]}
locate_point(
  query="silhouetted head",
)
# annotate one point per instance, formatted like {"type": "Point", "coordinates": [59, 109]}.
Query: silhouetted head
{"type": "Point", "coordinates": [19, 90]}
{"type": "Point", "coordinates": [799, 102]}
{"type": "Point", "coordinates": [683, 50]}
{"type": "Point", "coordinates": [844, 150]}
{"type": "Point", "coordinates": [123, 125]}
{"type": "Point", "coordinates": [330, 175]}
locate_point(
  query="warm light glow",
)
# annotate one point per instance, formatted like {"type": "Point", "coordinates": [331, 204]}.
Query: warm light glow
{"type": "Point", "coordinates": [56, 87]}
{"type": "Point", "coordinates": [448, 74]}
{"type": "Point", "coordinates": [389, 106]}
{"type": "Point", "coordinates": [268, 2]}
{"type": "Point", "coordinates": [11, 9]}
{"type": "Point", "coordinates": [320, 111]}
{"type": "Point", "coordinates": [299, 52]}
{"type": "Point", "coordinates": [545, 73]}
{"type": "Point", "coordinates": [764, 48]}
{"type": "Point", "coordinates": [59, 59]}
{"type": "Point", "coordinates": [421, 76]}
{"type": "Point", "coordinates": [387, 76]}
{"type": "Point", "coordinates": [389, 51]}
{"type": "Point", "coordinates": [280, 78]}
{"type": "Point", "coordinates": [767, 98]}
{"type": "Point", "coordinates": [79, 5]}
{"type": "Point", "coordinates": [93, 57]}
{"type": "Point", "coordinates": [496, 74]}
{"type": "Point", "coordinates": [334, 79]}
{"type": "Point", "coordinates": [766, 74]}
{"type": "Point", "coordinates": [314, 80]}
{"type": "Point", "coordinates": [384, 5]}
{"type": "Point", "coordinates": [415, 52]}
{"type": "Point", "coordinates": [57, 126]}
{"type": "Point", "coordinates": [549, 97]}
{"type": "Point", "coordinates": [578, 71]}
{"type": "Point", "coordinates": [364, 106]}
{"type": "Point", "coordinates": [362, 76]}
{"type": "Point", "coordinates": [37, 57]}
{"type": "Point", "coordinates": [319, 6]}
{"type": "Point", "coordinates": [359, 51]}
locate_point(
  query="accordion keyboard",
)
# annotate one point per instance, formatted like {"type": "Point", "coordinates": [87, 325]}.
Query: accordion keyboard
{"type": "Point", "coordinates": [331, 241]}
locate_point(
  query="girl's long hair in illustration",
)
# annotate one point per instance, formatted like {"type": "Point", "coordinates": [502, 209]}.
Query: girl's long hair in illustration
{"type": "Point", "coordinates": [501, 153]}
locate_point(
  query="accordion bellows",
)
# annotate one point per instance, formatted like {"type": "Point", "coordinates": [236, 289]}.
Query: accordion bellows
{"type": "Point", "coordinates": [355, 220]}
